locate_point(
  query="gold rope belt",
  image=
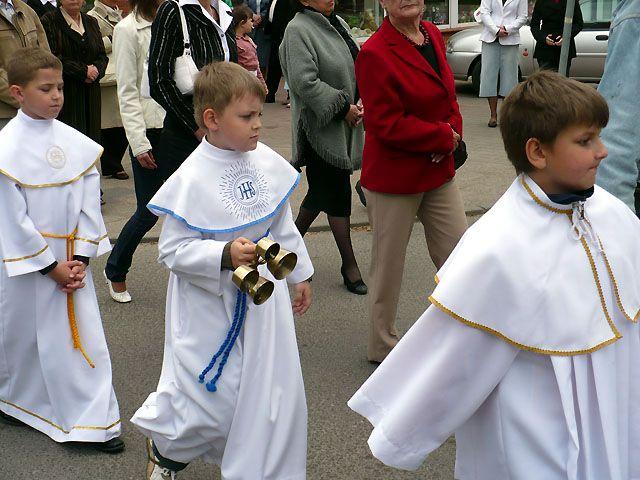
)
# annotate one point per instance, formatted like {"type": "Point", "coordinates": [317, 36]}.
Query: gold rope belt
{"type": "Point", "coordinates": [71, 312]}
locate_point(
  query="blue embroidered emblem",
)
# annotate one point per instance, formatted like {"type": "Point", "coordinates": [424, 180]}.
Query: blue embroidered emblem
{"type": "Point", "coordinates": [244, 191]}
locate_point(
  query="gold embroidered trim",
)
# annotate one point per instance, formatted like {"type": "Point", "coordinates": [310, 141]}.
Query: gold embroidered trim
{"type": "Point", "coordinates": [76, 427]}
{"type": "Point", "coordinates": [9, 260]}
{"type": "Point", "coordinates": [436, 279]}
{"type": "Point", "coordinates": [540, 202]}
{"type": "Point", "coordinates": [45, 185]}
{"type": "Point", "coordinates": [615, 288]}
{"type": "Point", "coordinates": [521, 346]}
{"type": "Point", "coordinates": [95, 242]}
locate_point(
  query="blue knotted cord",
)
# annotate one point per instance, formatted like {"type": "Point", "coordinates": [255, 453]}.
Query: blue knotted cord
{"type": "Point", "coordinates": [224, 345]}
{"type": "Point", "coordinates": [239, 315]}
{"type": "Point", "coordinates": [211, 386]}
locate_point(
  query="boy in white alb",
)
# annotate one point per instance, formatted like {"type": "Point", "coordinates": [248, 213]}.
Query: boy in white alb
{"type": "Point", "coordinates": [231, 389]}
{"type": "Point", "coordinates": [529, 351]}
{"type": "Point", "coordinates": [55, 370]}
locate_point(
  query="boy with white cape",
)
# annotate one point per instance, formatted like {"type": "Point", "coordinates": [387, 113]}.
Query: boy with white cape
{"type": "Point", "coordinates": [55, 370]}
{"type": "Point", "coordinates": [530, 348]}
{"type": "Point", "coordinates": [243, 406]}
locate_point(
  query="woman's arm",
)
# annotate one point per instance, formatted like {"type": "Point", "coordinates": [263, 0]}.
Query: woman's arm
{"type": "Point", "coordinates": [385, 115]}
{"type": "Point", "coordinates": [71, 67]}
{"type": "Point", "coordinates": [485, 17]}
{"type": "Point", "coordinates": [166, 46]}
{"type": "Point", "coordinates": [302, 73]}
{"type": "Point", "coordinates": [536, 17]}
{"type": "Point", "coordinates": [101, 60]}
{"type": "Point", "coordinates": [578, 23]}
{"type": "Point", "coordinates": [520, 19]}
{"type": "Point", "coordinates": [125, 54]}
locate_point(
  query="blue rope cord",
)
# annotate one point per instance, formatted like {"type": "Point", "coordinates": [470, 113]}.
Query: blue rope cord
{"type": "Point", "coordinates": [240, 312]}
{"type": "Point", "coordinates": [211, 386]}
{"type": "Point", "coordinates": [227, 340]}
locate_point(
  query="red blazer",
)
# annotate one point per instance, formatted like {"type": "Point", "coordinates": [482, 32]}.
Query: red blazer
{"type": "Point", "coordinates": [407, 112]}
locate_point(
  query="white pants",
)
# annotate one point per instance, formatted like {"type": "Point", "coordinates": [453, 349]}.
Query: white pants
{"type": "Point", "coordinates": [498, 59]}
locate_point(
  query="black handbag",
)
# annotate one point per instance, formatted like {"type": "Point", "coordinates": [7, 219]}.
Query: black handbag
{"type": "Point", "coordinates": [460, 155]}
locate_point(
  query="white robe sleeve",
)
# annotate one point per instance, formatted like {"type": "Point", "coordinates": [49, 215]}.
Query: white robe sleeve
{"type": "Point", "coordinates": [285, 232]}
{"type": "Point", "coordinates": [433, 381]}
{"type": "Point", "coordinates": [190, 256]}
{"type": "Point", "coordinates": [22, 248]}
{"type": "Point", "coordinates": [91, 238]}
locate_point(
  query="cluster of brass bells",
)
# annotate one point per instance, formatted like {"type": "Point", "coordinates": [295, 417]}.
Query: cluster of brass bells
{"type": "Point", "coordinates": [280, 263]}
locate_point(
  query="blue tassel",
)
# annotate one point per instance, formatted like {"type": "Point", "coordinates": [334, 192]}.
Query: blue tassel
{"type": "Point", "coordinates": [228, 338]}
{"type": "Point", "coordinates": [211, 386]}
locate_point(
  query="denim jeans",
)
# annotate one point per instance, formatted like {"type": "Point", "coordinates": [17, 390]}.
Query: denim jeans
{"type": "Point", "coordinates": [147, 182]}
{"type": "Point", "coordinates": [618, 173]}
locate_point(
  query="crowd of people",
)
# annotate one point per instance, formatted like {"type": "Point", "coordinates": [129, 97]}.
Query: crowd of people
{"type": "Point", "coordinates": [526, 351]}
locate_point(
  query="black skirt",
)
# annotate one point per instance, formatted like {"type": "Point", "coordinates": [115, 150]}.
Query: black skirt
{"type": "Point", "coordinates": [329, 186]}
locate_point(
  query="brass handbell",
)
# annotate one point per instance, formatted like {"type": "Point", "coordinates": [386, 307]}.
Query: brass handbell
{"type": "Point", "coordinates": [280, 263]}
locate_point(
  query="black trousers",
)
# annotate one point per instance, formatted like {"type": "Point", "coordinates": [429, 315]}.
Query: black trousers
{"type": "Point", "coordinates": [274, 71]}
{"type": "Point", "coordinates": [147, 182]}
{"type": "Point", "coordinates": [174, 146]}
{"type": "Point", "coordinates": [114, 141]}
{"type": "Point", "coordinates": [553, 63]}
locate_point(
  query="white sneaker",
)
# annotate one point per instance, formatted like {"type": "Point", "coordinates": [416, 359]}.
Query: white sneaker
{"type": "Point", "coordinates": [120, 297]}
{"type": "Point", "coordinates": [154, 470]}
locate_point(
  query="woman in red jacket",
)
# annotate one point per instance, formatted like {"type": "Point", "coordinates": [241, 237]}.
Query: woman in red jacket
{"type": "Point", "coordinates": [413, 125]}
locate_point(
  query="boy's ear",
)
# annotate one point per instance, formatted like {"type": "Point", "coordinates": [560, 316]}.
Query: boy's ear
{"type": "Point", "coordinates": [210, 120]}
{"type": "Point", "coordinates": [536, 154]}
{"type": "Point", "coordinates": [16, 92]}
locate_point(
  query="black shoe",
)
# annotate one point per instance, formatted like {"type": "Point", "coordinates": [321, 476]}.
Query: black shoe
{"type": "Point", "coordinates": [363, 199]}
{"type": "Point", "coordinates": [9, 420]}
{"type": "Point", "coordinates": [115, 445]}
{"type": "Point", "coordinates": [270, 99]}
{"type": "Point", "coordinates": [358, 287]}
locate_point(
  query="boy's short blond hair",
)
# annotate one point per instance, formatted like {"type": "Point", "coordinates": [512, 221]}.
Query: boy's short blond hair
{"type": "Point", "coordinates": [542, 107]}
{"type": "Point", "coordinates": [24, 64]}
{"type": "Point", "coordinates": [218, 84]}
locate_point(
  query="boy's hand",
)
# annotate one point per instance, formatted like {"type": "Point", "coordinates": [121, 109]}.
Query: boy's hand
{"type": "Point", "coordinates": [302, 299]}
{"type": "Point", "coordinates": [69, 275]}
{"type": "Point", "coordinates": [243, 252]}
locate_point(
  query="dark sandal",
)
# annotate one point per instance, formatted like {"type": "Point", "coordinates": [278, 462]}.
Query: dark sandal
{"type": "Point", "coordinates": [120, 175]}
{"type": "Point", "coordinates": [492, 124]}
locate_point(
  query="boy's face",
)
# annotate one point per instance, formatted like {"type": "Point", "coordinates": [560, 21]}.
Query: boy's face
{"type": "Point", "coordinates": [571, 162]}
{"type": "Point", "coordinates": [238, 126]}
{"type": "Point", "coordinates": [42, 97]}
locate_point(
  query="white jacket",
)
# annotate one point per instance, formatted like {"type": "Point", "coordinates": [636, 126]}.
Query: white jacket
{"type": "Point", "coordinates": [131, 39]}
{"type": "Point", "coordinates": [493, 14]}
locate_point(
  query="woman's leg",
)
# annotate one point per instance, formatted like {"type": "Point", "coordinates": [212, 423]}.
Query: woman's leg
{"type": "Point", "coordinates": [147, 182]}
{"type": "Point", "coordinates": [489, 78]}
{"type": "Point", "coordinates": [341, 229]}
{"type": "Point", "coordinates": [114, 142]}
{"type": "Point", "coordinates": [306, 217]}
{"type": "Point", "coordinates": [508, 69]}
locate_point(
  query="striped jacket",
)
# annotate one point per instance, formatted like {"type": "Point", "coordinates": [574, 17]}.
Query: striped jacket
{"type": "Point", "coordinates": [167, 45]}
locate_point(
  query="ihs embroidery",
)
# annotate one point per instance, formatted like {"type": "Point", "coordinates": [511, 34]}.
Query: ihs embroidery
{"type": "Point", "coordinates": [244, 191]}
{"type": "Point", "coordinates": [55, 157]}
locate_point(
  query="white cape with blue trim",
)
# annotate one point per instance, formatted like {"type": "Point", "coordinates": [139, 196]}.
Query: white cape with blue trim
{"type": "Point", "coordinates": [241, 189]}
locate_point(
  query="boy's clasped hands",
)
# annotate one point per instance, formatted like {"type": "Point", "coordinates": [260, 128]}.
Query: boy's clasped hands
{"type": "Point", "coordinates": [69, 275]}
{"type": "Point", "coordinates": [243, 252]}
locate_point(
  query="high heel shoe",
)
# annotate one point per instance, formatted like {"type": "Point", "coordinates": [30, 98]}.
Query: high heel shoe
{"type": "Point", "coordinates": [358, 287]}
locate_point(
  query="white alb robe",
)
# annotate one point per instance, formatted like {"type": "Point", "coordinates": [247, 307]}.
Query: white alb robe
{"type": "Point", "coordinates": [49, 188]}
{"type": "Point", "coordinates": [255, 425]}
{"type": "Point", "coordinates": [544, 385]}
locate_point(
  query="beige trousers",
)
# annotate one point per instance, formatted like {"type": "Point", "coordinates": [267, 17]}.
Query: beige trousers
{"type": "Point", "coordinates": [442, 215]}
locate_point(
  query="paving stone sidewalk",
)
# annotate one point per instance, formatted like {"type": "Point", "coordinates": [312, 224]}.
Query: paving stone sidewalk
{"type": "Point", "coordinates": [482, 180]}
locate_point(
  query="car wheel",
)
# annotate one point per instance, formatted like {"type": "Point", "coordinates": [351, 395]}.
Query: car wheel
{"type": "Point", "coordinates": [475, 76]}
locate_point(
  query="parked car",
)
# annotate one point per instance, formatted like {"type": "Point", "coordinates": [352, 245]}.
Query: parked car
{"type": "Point", "coordinates": [463, 48]}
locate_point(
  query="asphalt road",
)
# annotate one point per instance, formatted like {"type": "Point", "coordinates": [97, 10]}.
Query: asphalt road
{"type": "Point", "coordinates": [332, 345]}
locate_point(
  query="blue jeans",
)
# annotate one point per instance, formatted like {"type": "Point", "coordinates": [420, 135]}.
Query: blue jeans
{"type": "Point", "coordinates": [619, 172]}
{"type": "Point", "coordinates": [147, 182]}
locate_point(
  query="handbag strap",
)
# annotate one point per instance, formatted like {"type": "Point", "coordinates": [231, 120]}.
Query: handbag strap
{"type": "Point", "coordinates": [185, 31]}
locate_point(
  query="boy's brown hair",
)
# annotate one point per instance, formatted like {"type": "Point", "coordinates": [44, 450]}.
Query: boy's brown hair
{"type": "Point", "coordinates": [241, 13]}
{"type": "Point", "coordinates": [24, 64]}
{"type": "Point", "coordinates": [542, 107]}
{"type": "Point", "coordinates": [218, 84]}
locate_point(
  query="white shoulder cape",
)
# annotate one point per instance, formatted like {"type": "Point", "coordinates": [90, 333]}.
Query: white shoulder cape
{"type": "Point", "coordinates": [522, 273]}
{"type": "Point", "coordinates": [221, 191]}
{"type": "Point", "coordinates": [45, 153]}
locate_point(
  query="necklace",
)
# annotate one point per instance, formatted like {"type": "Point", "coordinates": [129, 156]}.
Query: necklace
{"type": "Point", "coordinates": [425, 35]}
